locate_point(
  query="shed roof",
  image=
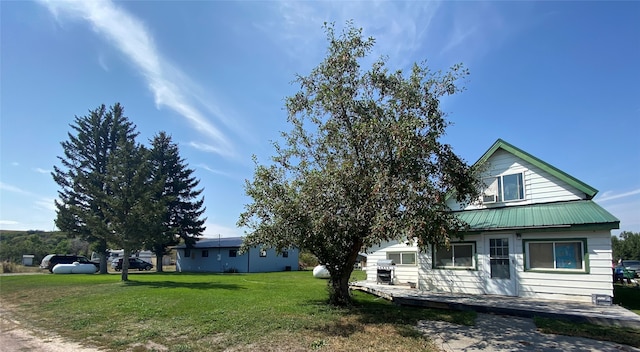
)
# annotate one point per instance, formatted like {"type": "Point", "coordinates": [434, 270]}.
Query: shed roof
{"type": "Point", "coordinates": [222, 242]}
{"type": "Point", "coordinates": [582, 214]}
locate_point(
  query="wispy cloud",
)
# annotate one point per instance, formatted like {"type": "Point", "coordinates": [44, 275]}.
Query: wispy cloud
{"type": "Point", "coordinates": [42, 171]}
{"type": "Point", "coordinates": [8, 222]}
{"type": "Point", "coordinates": [46, 204]}
{"type": "Point", "coordinates": [129, 35]}
{"type": "Point", "coordinates": [606, 196]}
{"type": "Point", "coordinates": [14, 189]}
{"type": "Point", "coordinates": [213, 171]}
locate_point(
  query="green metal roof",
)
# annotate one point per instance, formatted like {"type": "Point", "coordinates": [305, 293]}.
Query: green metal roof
{"type": "Point", "coordinates": [589, 191]}
{"type": "Point", "coordinates": [573, 215]}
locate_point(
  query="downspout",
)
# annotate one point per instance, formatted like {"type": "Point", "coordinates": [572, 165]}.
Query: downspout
{"type": "Point", "coordinates": [248, 260]}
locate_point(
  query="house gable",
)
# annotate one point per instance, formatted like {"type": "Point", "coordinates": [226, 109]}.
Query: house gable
{"type": "Point", "coordinates": [589, 192]}
{"type": "Point", "coordinates": [539, 182]}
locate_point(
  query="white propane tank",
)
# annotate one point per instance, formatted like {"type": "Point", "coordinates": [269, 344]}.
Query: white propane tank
{"type": "Point", "coordinates": [321, 272]}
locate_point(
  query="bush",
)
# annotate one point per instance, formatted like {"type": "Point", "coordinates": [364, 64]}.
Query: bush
{"type": "Point", "coordinates": [307, 260]}
{"type": "Point", "coordinates": [8, 267]}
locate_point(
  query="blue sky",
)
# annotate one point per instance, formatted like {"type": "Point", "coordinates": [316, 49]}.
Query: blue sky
{"type": "Point", "coordinates": [557, 79]}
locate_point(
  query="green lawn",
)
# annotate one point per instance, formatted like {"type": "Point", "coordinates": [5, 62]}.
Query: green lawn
{"type": "Point", "coordinates": [626, 296]}
{"type": "Point", "coordinates": [211, 312]}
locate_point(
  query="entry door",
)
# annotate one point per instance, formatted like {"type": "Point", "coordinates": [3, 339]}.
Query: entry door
{"type": "Point", "coordinates": [499, 265]}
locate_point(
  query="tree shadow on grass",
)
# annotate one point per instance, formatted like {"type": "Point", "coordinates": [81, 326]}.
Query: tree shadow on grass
{"type": "Point", "coordinates": [370, 310]}
{"type": "Point", "coordinates": [189, 285]}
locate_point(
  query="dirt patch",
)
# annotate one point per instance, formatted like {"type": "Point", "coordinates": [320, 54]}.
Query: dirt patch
{"type": "Point", "coordinates": [14, 337]}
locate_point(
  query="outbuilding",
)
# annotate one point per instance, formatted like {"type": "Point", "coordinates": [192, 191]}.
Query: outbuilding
{"type": "Point", "coordinates": [223, 255]}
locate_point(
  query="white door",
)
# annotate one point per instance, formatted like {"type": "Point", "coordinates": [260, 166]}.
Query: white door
{"type": "Point", "coordinates": [499, 266]}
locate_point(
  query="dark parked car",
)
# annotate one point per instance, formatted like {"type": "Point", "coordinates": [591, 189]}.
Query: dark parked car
{"type": "Point", "coordinates": [49, 261]}
{"type": "Point", "coordinates": [134, 263]}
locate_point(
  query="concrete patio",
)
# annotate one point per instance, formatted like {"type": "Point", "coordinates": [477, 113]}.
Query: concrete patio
{"type": "Point", "coordinates": [612, 315]}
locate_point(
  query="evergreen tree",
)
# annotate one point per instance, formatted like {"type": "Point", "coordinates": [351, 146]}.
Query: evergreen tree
{"type": "Point", "coordinates": [182, 207]}
{"type": "Point", "coordinates": [82, 198]}
{"type": "Point", "coordinates": [131, 209]}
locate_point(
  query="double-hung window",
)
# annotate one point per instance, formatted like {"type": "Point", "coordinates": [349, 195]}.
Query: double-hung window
{"type": "Point", "coordinates": [402, 258]}
{"type": "Point", "coordinates": [503, 188]}
{"type": "Point", "coordinates": [555, 255]}
{"type": "Point", "coordinates": [457, 256]}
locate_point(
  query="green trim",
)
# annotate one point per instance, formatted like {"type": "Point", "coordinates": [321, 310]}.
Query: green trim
{"type": "Point", "coordinates": [475, 257]}
{"type": "Point", "coordinates": [589, 191]}
{"type": "Point", "coordinates": [585, 256]}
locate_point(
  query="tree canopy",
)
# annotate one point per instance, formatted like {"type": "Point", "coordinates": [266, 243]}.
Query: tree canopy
{"type": "Point", "coordinates": [626, 246]}
{"type": "Point", "coordinates": [82, 175]}
{"type": "Point", "coordinates": [116, 192]}
{"type": "Point", "coordinates": [363, 163]}
{"type": "Point", "coordinates": [177, 194]}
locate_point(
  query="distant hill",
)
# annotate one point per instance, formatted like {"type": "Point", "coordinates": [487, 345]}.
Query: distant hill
{"type": "Point", "coordinates": [13, 244]}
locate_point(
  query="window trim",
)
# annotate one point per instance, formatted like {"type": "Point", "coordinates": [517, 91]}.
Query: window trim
{"type": "Point", "coordinates": [474, 257]}
{"type": "Point", "coordinates": [585, 256]}
{"type": "Point", "coordinates": [499, 196]}
{"type": "Point", "coordinates": [402, 253]}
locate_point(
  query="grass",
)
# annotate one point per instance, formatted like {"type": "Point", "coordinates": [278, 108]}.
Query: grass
{"type": "Point", "coordinates": [211, 312]}
{"type": "Point", "coordinates": [628, 297]}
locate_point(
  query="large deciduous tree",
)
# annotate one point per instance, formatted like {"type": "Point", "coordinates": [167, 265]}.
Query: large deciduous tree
{"type": "Point", "coordinates": [364, 162]}
{"type": "Point", "coordinates": [84, 192]}
{"type": "Point", "coordinates": [182, 207]}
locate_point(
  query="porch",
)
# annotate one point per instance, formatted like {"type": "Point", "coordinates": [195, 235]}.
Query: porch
{"type": "Point", "coordinates": [612, 315]}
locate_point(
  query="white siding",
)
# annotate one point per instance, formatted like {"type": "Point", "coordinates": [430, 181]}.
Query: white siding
{"type": "Point", "coordinates": [540, 186]}
{"type": "Point", "coordinates": [543, 285]}
{"type": "Point", "coordinates": [579, 286]}
{"type": "Point", "coordinates": [403, 273]}
{"type": "Point", "coordinates": [449, 280]}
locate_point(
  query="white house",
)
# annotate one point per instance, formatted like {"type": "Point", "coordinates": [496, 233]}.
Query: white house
{"type": "Point", "coordinates": [536, 232]}
{"type": "Point", "coordinates": [223, 255]}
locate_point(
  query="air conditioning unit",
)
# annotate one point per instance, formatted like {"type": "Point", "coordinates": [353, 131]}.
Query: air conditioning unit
{"type": "Point", "coordinates": [489, 198]}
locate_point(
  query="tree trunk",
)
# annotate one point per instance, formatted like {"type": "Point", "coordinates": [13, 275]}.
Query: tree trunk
{"type": "Point", "coordinates": [103, 262]}
{"type": "Point", "coordinates": [159, 258]}
{"type": "Point", "coordinates": [125, 264]}
{"type": "Point", "coordinates": [339, 294]}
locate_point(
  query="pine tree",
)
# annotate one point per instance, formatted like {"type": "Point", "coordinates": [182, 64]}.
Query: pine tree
{"type": "Point", "coordinates": [182, 207]}
{"type": "Point", "coordinates": [131, 210]}
{"type": "Point", "coordinates": [81, 176]}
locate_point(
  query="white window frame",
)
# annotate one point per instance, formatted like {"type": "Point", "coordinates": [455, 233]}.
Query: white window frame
{"type": "Point", "coordinates": [402, 254]}
{"type": "Point", "coordinates": [473, 265]}
{"type": "Point", "coordinates": [582, 252]}
{"type": "Point", "coordinates": [494, 189]}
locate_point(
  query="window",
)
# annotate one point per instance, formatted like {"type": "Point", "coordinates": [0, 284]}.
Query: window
{"type": "Point", "coordinates": [555, 255]}
{"type": "Point", "coordinates": [458, 256]}
{"type": "Point", "coordinates": [285, 254]}
{"type": "Point", "coordinates": [233, 253]}
{"type": "Point", "coordinates": [187, 252]}
{"type": "Point", "coordinates": [503, 188]}
{"type": "Point", "coordinates": [402, 258]}
{"type": "Point", "coordinates": [263, 253]}
{"type": "Point", "coordinates": [205, 253]}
